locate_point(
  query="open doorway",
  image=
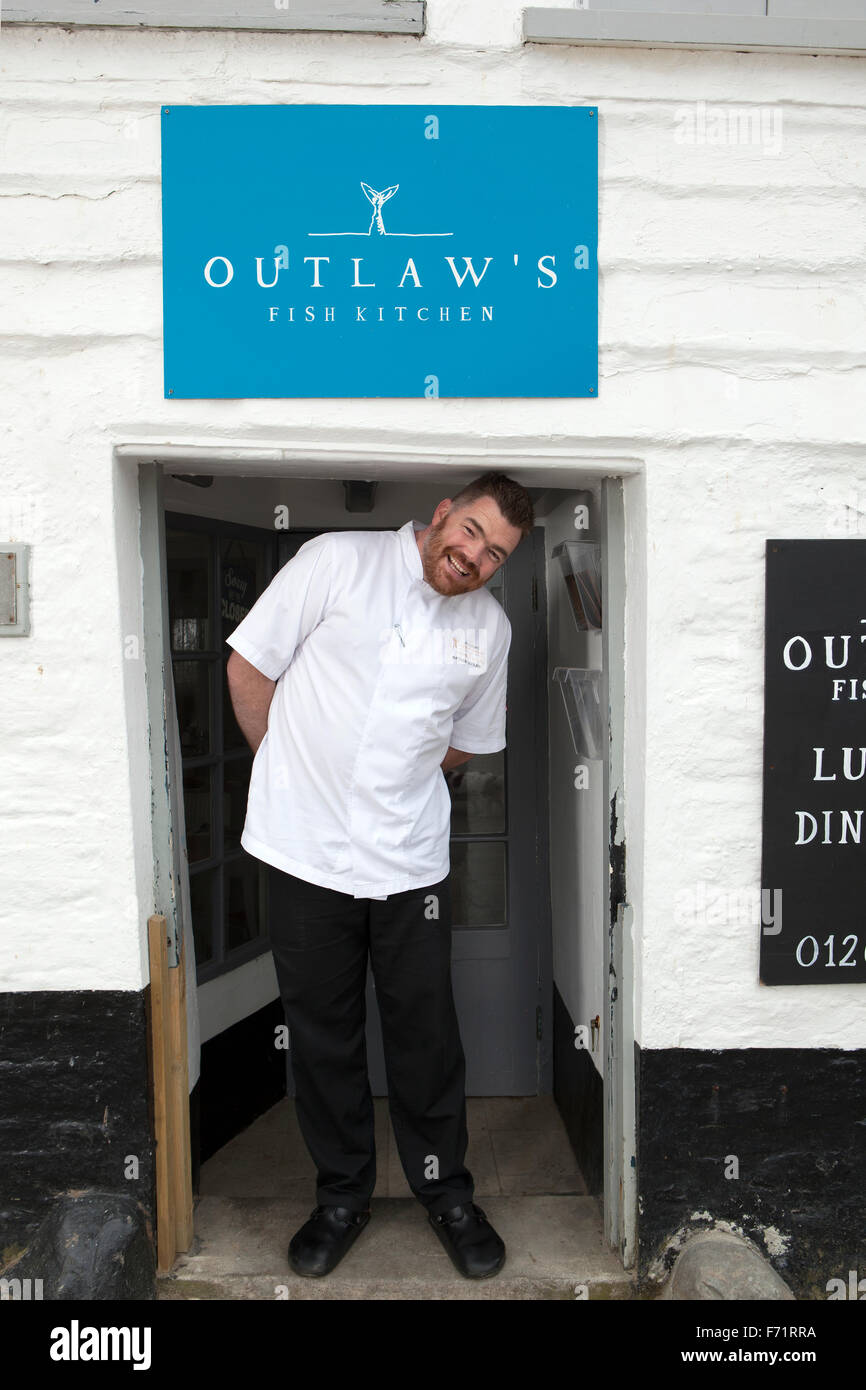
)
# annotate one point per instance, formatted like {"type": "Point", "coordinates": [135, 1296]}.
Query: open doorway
{"type": "Point", "coordinates": [528, 962]}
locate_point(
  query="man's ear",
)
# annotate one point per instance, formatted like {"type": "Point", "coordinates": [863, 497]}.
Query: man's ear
{"type": "Point", "coordinates": [442, 509]}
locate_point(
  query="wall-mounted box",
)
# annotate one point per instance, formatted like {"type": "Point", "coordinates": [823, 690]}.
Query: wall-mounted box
{"type": "Point", "coordinates": [582, 698]}
{"type": "Point", "coordinates": [14, 590]}
{"type": "Point", "coordinates": [581, 567]}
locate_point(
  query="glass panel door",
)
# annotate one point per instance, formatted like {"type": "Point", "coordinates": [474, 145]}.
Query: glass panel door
{"type": "Point", "coordinates": [216, 571]}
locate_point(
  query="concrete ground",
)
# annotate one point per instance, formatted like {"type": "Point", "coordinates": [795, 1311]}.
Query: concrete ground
{"type": "Point", "coordinates": [257, 1190]}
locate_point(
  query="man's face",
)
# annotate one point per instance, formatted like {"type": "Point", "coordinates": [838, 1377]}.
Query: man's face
{"type": "Point", "coordinates": [462, 547]}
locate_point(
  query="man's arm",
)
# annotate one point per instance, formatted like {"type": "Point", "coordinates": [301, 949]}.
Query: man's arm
{"type": "Point", "coordinates": [479, 723]}
{"type": "Point", "coordinates": [251, 694]}
{"type": "Point", "coordinates": [453, 758]}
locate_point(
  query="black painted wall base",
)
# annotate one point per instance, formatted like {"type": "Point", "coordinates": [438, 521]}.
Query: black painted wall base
{"type": "Point", "coordinates": [789, 1122]}
{"type": "Point", "coordinates": [579, 1093]}
{"type": "Point", "coordinates": [73, 1105]}
{"type": "Point", "coordinates": [76, 1108]}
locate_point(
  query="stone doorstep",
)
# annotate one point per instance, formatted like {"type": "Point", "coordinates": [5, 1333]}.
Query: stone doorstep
{"type": "Point", "coordinates": [555, 1246]}
{"type": "Point", "coordinates": [499, 1288]}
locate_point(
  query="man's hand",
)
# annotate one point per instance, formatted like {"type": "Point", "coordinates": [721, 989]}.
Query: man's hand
{"type": "Point", "coordinates": [251, 694]}
{"type": "Point", "coordinates": [453, 758]}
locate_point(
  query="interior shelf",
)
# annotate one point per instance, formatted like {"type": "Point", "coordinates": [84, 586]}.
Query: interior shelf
{"type": "Point", "coordinates": [581, 693]}
{"type": "Point", "coordinates": [581, 567]}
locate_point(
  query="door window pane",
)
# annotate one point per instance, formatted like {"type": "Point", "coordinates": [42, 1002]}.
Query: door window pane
{"type": "Point", "coordinates": [197, 807]}
{"type": "Point", "coordinates": [236, 784]}
{"type": "Point", "coordinates": [192, 695]}
{"type": "Point", "coordinates": [190, 589]}
{"type": "Point", "coordinates": [242, 914]}
{"type": "Point", "coordinates": [478, 795]}
{"type": "Point", "coordinates": [201, 892]}
{"type": "Point", "coordinates": [241, 573]}
{"type": "Point", "coordinates": [478, 884]}
{"type": "Point", "coordinates": [242, 580]}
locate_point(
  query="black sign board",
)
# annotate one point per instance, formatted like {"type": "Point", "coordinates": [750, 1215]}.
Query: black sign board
{"type": "Point", "coordinates": [813, 923]}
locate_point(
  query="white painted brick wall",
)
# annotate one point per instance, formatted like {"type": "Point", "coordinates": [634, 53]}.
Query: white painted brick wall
{"type": "Point", "coordinates": [731, 365]}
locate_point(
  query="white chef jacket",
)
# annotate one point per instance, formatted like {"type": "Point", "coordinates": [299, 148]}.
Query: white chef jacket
{"type": "Point", "coordinates": [376, 674]}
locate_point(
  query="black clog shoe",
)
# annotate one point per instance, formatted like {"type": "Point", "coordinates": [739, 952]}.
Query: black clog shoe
{"type": "Point", "coordinates": [470, 1240]}
{"type": "Point", "coordinates": [320, 1244]}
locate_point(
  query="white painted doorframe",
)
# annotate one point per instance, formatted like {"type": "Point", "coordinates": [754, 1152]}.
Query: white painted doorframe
{"type": "Point", "coordinates": [620, 1186]}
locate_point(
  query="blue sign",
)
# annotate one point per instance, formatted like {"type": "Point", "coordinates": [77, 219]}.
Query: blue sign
{"type": "Point", "coordinates": [380, 251]}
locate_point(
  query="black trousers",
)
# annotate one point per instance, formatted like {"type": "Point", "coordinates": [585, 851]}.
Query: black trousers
{"type": "Point", "coordinates": [321, 940]}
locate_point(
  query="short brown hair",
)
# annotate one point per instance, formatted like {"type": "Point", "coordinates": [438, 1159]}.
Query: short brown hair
{"type": "Point", "coordinates": [513, 501]}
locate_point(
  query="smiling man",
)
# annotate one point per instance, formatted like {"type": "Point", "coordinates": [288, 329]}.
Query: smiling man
{"type": "Point", "coordinates": [374, 662]}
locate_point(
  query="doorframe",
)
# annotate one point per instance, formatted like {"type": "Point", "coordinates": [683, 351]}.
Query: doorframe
{"type": "Point", "coordinates": [167, 826]}
{"type": "Point", "coordinates": [171, 897]}
{"type": "Point", "coordinates": [551, 468]}
{"type": "Point", "coordinates": [620, 1176]}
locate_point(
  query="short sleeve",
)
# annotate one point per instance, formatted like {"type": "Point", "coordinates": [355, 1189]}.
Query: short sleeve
{"type": "Point", "coordinates": [479, 723]}
{"type": "Point", "coordinates": [290, 608]}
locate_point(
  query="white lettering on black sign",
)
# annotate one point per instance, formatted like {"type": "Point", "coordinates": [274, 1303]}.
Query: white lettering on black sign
{"type": "Point", "coordinates": [815, 761]}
